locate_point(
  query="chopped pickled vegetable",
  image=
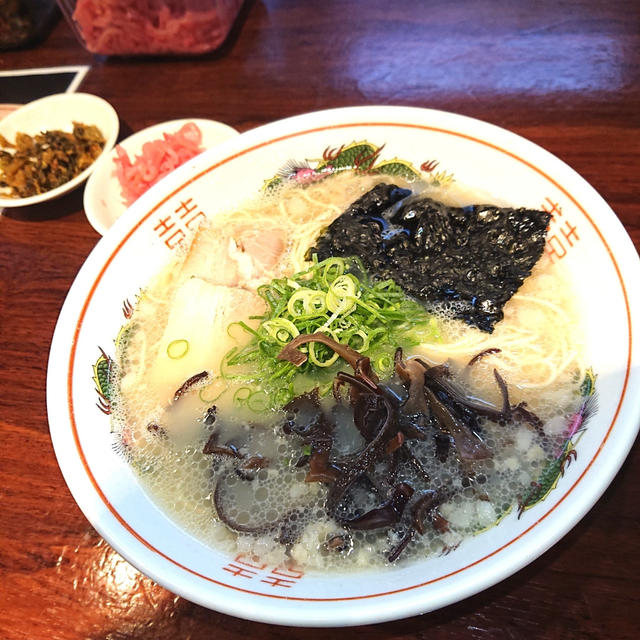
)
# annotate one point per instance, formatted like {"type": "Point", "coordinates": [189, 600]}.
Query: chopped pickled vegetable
{"type": "Point", "coordinates": [36, 164]}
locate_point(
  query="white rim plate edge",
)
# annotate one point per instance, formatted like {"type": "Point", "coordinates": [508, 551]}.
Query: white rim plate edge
{"type": "Point", "coordinates": [102, 200]}
{"type": "Point", "coordinates": [57, 111]}
{"type": "Point", "coordinates": [376, 610]}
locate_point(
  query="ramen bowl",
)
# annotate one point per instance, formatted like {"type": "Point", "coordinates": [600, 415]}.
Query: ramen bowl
{"type": "Point", "coordinates": [584, 234]}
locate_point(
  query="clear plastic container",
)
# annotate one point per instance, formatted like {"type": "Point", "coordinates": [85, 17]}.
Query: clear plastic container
{"type": "Point", "coordinates": [150, 27]}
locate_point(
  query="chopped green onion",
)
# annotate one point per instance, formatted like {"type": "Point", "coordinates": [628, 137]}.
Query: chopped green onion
{"type": "Point", "coordinates": [258, 401]}
{"type": "Point", "coordinates": [243, 325]}
{"type": "Point", "coordinates": [178, 349]}
{"type": "Point", "coordinates": [241, 396]}
{"type": "Point", "coordinates": [383, 363]}
{"type": "Point", "coordinates": [332, 268]}
{"type": "Point", "coordinates": [281, 329]}
{"type": "Point", "coordinates": [362, 344]}
{"type": "Point", "coordinates": [314, 359]}
{"type": "Point", "coordinates": [333, 296]}
{"type": "Point", "coordinates": [205, 394]}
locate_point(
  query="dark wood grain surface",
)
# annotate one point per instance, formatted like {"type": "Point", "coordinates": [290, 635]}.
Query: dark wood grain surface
{"type": "Point", "coordinates": [564, 74]}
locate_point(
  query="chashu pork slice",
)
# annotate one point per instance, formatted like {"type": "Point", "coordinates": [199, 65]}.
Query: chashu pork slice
{"type": "Point", "coordinates": [241, 255]}
{"type": "Point", "coordinates": [195, 338]}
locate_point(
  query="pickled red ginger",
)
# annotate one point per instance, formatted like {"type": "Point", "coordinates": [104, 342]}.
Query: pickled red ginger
{"type": "Point", "coordinates": [157, 159]}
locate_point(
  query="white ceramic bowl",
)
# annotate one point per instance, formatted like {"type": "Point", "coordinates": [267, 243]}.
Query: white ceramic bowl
{"type": "Point", "coordinates": [59, 111]}
{"type": "Point", "coordinates": [103, 203]}
{"type": "Point", "coordinates": [605, 268]}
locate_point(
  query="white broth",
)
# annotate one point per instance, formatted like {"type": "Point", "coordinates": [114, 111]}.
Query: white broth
{"type": "Point", "coordinates": [185, 324]}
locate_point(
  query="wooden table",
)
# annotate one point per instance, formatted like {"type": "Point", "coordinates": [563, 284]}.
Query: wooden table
{"type": "Point", "coordinates": [563, 74]}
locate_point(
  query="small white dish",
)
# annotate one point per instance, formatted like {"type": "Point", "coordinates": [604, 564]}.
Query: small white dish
{"type": "Point", "coordinates": [103, 201]}
{"type": "Point", "coordinates": [59, 111]}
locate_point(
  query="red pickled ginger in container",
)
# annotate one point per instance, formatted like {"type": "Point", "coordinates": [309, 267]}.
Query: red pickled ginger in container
{"type": "Point", "coordinates": [145, 27]}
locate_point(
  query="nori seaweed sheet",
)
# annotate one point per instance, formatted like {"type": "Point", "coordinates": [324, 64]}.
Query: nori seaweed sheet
{"type": "Point", "coordinates": [473, 258]}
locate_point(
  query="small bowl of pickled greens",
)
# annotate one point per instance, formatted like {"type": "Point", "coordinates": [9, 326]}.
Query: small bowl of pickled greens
{"type": "Point", "coordinates": [349, 367]}
{"type": "Point", "coordinates": [50, 146]}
